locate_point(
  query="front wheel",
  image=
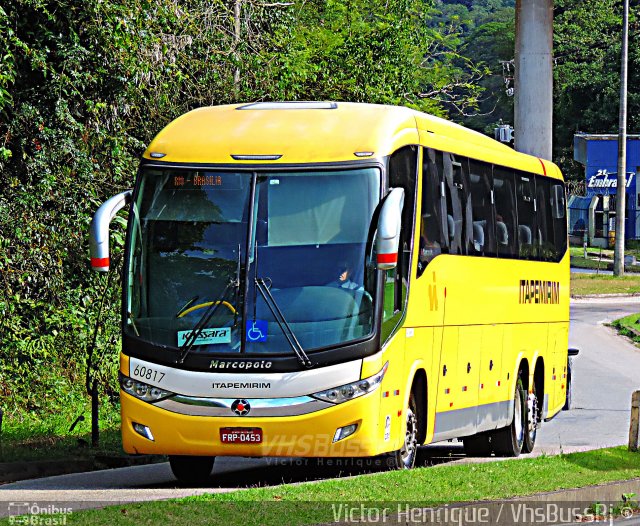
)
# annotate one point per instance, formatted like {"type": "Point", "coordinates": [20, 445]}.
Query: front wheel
{"type": "Point", "coordinates": [508, 441]}
{"type": "Point", "coordinates": [405, 457]}
{"type": "Point", "coordinates": [191, 470]}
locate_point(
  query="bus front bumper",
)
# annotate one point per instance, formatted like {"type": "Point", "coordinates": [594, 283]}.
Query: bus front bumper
{"type": "Point", "coordinates": [308, 435]}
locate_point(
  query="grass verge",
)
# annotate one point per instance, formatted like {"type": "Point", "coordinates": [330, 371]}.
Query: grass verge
{"type": "Point", "coordinates": [28, 435]}
{"type": "Point", "coordinates": [312, 503]}
{"type": "Point", "coordinates": [597, 284]}
{"type": "Point", "coordinates": [628, 327]}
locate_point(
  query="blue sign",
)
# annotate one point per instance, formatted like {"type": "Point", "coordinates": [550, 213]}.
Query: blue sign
{"type": "Point", "coordinates": [257, 330]}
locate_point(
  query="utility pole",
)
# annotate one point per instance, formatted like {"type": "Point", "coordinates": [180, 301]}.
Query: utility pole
{"type": "Point", "coordinates": [618, 255]}
{"type": "Point", "coordinates": [533, 112]}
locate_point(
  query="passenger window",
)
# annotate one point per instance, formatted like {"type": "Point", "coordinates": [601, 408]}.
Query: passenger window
{"type": "Point", "coordinates": [528, 237]}
{"type": "Point", "coordinates": [433, 234]}
{"type": "Point", "coordinates": [558, 207]}
{"type": "Point", "coordinates": [483, 224]}
{"type": "Point", "coordinates": [459, 223]}
{"type": "Point", "coordinates": [505, 210]}
{"type": "Point", "coordinates": [547, 247]}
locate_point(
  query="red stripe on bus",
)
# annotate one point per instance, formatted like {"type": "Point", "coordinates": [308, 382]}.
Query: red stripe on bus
{"type": "Point", "coordinates": [387, 258]}
{"type": "Point", "coordinates": [544, 168]}
{"type": "Point", "coordinates": [99, 262]}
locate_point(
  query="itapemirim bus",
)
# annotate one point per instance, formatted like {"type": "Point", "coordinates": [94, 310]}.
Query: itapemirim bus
{"type": "Point", "coordinates": [321, 279]}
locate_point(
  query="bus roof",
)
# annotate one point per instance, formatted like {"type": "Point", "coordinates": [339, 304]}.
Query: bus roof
{"type": "Point", "coordinates": [320, 132]}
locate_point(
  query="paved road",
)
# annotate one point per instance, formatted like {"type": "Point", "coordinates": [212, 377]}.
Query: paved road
{"type": "Point", "coordinates": [605, 374]}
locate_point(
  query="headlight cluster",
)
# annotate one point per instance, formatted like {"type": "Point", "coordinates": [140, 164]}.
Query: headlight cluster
{"type": "Point", "coordinates": [142, 391]}
{"type": "Point", "coordinates": [346, 392]}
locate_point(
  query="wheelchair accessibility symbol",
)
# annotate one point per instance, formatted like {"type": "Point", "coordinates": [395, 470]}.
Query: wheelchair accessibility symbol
{"type": "Point", "coordinates": [257, 330]}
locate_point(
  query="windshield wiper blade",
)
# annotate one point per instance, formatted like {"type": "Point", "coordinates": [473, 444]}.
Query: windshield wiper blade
{"type": "Point", "coordinates": [204, 320]}
{"type": "Point", "coordinates": [282, 323]}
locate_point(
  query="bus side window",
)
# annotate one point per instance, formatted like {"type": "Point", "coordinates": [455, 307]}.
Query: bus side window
{"type": "Point", "coordinates": [458, 204]}
{"type": "Point", "coordinates": [484, 241]}
{"type": "Point", "coordinates": [403, 166]}
{"type": "Point", "coordinates": [527, 228]}
{"type": "Point", "coordinates": [558, 207]}
{"type": "Point", "coordinates": [433, 227]}
{"type": "Point", "coordinates": [546, 235]}
{"type": "Point", "coordinates": [505, 212]}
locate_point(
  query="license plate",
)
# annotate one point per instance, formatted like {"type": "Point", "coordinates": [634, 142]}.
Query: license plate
{"type": "Point", "coordinates": [241, 435]}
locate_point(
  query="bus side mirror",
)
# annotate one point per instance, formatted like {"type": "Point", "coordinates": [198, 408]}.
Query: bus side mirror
{"type": "Point", "coordinates": [99, 230]}
{"type": "Point", "coordinates": [388, 233]}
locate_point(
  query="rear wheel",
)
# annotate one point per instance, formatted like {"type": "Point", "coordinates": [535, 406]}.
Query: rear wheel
{"type": "Point", "coordinates": [567, 403]}
{"type": "Point", "coordinates": [477, 445]}
{"type": "Point", "coordinates": [532, 420]}
{"type": "Point", "coordinates": [191, 470]}
{"type": "Point", "coordinates": [508, 441]}
{"type": "Point", "coordinates": [405, 457]}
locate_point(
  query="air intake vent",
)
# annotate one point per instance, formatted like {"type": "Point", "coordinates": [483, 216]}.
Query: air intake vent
{"type": "Point", "coordinates": [238, 157]}
{"type": "Point", "coordinates": [289, 106]}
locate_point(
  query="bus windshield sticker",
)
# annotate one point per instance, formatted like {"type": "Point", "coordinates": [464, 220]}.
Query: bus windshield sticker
{"type": "Point", "coordinates": [206, 336]}
{"type": "Point", "coordinates": [257, 330]}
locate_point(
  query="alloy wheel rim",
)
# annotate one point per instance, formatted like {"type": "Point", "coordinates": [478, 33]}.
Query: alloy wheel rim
{"type": "Point", "coordinates": [518, 418]}
{"type": "Point", "coordinates": [410, 440]}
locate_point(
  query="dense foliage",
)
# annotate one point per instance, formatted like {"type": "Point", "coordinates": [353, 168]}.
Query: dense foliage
{"type": "Point", "coordinates": [85, 85]}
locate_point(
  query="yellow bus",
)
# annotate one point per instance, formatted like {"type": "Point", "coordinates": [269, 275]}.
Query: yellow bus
{"type": "Point", "coordinates": [322, 279]}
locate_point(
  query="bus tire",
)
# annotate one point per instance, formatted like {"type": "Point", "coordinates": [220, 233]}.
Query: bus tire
{"type": "Point", "coordinates": [405, 457]}
{"type": "Point", "coordinates": [191, 470]}
{"type": "Point", "coordinates": [532, 420]}
{"type": "Point", "coordinates": [568, 400]}
{"type": "Point", "coordinates": [508, 441]}
{"type": "Point", "coordinates": [477, 445]}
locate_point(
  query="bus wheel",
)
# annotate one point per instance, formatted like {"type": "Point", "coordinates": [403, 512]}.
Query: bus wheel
{"type": "Point", "coordinates": [508, 441]}
{"type": "Point", "coordinates": [477, 445]}
{"type": "Point", "coordinates": [405, 457]}
{"type": "Point", "coordinates": [191, 470]}
{"type": "Point", "coordinates": [532, 420]}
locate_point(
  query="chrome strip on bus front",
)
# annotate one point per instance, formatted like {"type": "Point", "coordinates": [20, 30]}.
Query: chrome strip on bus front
{"type": "Point", "coordinates": [259, 407]}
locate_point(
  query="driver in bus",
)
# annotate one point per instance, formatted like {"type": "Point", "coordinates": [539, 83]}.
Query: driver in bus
{"type": "Point", "coordinates": [344, 281]}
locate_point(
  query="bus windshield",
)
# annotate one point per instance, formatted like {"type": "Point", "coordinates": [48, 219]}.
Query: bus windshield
{"type": "Point", "coordinates": [203, 241]}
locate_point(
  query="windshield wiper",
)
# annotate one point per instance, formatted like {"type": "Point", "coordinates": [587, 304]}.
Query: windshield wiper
{"type": "Point", "coordinates": [282, 323]}
{"type": "Point", "coordinates": [209, 313]}
{"type": "Point", "coordinates": [204, 321]}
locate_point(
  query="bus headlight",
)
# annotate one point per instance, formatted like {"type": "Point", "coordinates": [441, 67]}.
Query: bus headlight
{"type": "Point", "coordinates": [347, 392]}
{"type": "Point", "coordinates": [142, 391]}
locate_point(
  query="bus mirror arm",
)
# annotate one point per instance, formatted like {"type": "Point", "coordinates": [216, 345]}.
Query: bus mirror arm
{"type": "Point", "coordinates": [388, 233]}
{"type": "Point", "coordinates": [99, 230]}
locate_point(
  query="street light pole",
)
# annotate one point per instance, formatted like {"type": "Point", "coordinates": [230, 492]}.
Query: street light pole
{"type": "Point", "coordinates": [618, 255]}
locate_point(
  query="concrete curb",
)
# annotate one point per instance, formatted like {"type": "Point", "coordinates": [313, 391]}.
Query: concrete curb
{"type": "Point", "coordinates": [604, 297]}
